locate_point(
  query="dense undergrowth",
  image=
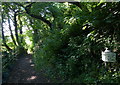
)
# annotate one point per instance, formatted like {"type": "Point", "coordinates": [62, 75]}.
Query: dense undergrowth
{"type": "Point", "coordinates": [73, 53]}
{"type": "Point", "coordinates": [75, 58]}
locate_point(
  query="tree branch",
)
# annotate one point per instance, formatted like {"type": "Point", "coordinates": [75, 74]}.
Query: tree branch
{"type": "Point", "coordinates": [27, 9]}
{"type": "Point", "coordinates": [76, 3]}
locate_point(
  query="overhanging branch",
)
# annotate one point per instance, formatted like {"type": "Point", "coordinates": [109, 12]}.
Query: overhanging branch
{"type": "Point", "coordinates": [27, 9]}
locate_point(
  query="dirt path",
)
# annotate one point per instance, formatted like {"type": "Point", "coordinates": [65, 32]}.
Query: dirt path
{"type": "Point", "coordinates": [24, 72]}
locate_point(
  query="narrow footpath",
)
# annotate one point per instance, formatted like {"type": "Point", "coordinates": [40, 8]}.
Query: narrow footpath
{"type": "Point", "coordinates": [24, 72]}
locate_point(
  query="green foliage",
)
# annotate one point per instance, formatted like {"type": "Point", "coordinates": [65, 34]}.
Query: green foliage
{"type": "Point", "coordinates": [74, 52]}
{"type": "Point", "coordinates": [72, 58]}
{"type": "Point", "coordinates": [70, 50]}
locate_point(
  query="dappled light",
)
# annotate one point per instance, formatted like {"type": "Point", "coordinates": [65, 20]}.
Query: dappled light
{"type": "Point", "coordinates": [30, 60]}
{"type": "Point", "coordinates": [32, 65]}
{"type": "Point", "coordinates": [32, 78]}
{"type": "Point", "coordinates": [25, 73]}
{"type": "Point", "coordinates": [60, 42]}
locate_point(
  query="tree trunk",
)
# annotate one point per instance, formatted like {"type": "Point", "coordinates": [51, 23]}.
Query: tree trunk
{"type": "Point", "coordinates": [20, 29]}
{"type": "Point", "coordinates": [16, 29]}
{"type": "Point", "coordinates": [3, 38]}
{"type": "Point", "coordinates": [12, 36]}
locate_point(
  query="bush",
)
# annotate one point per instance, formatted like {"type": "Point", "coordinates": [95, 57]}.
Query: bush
{"type": "Point", "coordinates": [72, 57]}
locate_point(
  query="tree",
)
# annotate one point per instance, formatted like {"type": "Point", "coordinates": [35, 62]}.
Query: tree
{"type": "Point", "coordinates": [12, 36]}
{"type": "Point", "coordinates": [3, 37]}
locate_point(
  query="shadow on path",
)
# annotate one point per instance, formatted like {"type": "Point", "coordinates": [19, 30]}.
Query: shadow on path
{"type": "Point", "coordinates": [24, 72]}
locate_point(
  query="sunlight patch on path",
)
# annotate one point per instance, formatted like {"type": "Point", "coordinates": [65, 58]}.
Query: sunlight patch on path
{"type": "Point", "coordinates": [32, 78]}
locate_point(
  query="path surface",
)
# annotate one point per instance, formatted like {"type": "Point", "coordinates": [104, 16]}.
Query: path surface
{"type": "Point", "coordinates": [24, 72]}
